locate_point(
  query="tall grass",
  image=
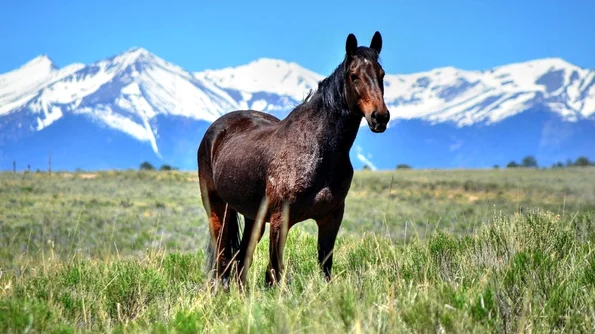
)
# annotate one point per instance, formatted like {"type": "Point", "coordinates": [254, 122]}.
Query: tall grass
{"type": "Point", "coordinates": [124, 254]}
{"type": "Point", "coordinates": [527, 272]}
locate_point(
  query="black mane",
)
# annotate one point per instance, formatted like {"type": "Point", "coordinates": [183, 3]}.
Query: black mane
{"type": "Point", "coordinates": [331, 89]}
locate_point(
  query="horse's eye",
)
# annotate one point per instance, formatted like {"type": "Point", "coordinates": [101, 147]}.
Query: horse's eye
{"type": "Point", "coordinates": [354, 77]}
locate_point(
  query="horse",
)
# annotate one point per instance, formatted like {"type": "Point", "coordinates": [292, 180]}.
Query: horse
{"type": "Point", "coordinates": [253, 164]}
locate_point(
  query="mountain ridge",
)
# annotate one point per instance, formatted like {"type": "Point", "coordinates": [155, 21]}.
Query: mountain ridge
{"type": "Point", "coordinates": [135, 92]}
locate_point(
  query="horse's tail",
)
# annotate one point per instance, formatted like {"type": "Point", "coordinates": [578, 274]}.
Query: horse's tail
{"type": "Point", "coordinates": [234, 239]}
{"type": "Point", "coordinates": [210, 259]}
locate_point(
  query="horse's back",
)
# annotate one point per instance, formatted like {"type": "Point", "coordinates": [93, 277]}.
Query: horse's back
{"type": "Point", "coordinates": [233, 123]}
{"type": "Point", "coordinates": [242, 119]}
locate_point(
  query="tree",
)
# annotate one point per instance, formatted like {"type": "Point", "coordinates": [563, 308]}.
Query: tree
{"type": "Point", "coordinates": [496, 167]}
{"type": "Point", "coordinates": [166, 167]}
{"type": "Point", "coordinates": [366, 167]}
{"type": "Point", "coordinates": [403, 166]}
{"type": "Point", "coordinates": [582, 161]}
{"type": "Point", "coordinates": [512, 164]}
{"type": "Point", "coordinates": [146, 166]}
{"type": "Point", "coordinates": [529, 161]}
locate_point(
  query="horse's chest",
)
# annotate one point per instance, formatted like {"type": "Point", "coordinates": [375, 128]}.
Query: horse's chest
{"type": "Point", "coordinates": [292, 175]}
{"type": "Point", "coordinates": [310, 186]}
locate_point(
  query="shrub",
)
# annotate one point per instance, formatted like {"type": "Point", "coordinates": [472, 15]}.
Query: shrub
{"type": "Point", "coordinates": [146, 166]}
{"type": "Point", "coordinates": [529, 161]}
{"type": "Point", "coordinates": [582, 161]}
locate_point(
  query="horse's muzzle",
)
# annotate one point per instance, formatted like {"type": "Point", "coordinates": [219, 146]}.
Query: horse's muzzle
{"type": "Point", "coordinates": [379, 121]}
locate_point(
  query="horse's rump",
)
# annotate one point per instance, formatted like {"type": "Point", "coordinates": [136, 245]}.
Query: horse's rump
{"type": "Point", "coordinates": [233, 154]}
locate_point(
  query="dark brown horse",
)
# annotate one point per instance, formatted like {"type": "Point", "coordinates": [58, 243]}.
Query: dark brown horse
{"type": "Point", "coordinates": [286, 171]}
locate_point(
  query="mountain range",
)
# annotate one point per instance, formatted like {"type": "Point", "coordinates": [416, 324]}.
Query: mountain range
{"type": "Point", "coordinates": [135, 107]}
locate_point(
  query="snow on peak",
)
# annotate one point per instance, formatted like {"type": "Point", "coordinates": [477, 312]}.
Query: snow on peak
{"type": "Point", "coordinates": [21, 85]}
{"type": "Point", "coordinates": [468, 97]}
{"type": "Point", "coordinates": [133, 55]}
{"type": "Point", "coordinates": [138, 51]}
{"type": "Point", "coordinates": [41, 62]}
{"type": "Point", "coordinates": [266, 75]}
{"type": "Point", "coordinates": [128, 90]}
{"type": "Point", "coordinates": [541, 63]}
{"type": "Point", "coordinates": [39, 67]}
{"type": "Point", "coordinates": [124, 92]}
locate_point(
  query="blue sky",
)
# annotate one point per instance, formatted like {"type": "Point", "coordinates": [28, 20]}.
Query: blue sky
{"type": "Point", "coordinates": [418, 35]}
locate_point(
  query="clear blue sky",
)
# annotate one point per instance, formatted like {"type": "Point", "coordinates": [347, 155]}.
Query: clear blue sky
{"type": "Point", "coordinates": [197, 35]}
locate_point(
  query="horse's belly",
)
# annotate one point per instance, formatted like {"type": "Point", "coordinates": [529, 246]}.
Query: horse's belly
{"type": "Point", "coordinates": [246, 201]}
{"type": "Point", "coordinates": [242, 188]}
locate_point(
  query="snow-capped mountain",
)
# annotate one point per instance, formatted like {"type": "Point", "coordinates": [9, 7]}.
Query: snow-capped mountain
{"type": "Point", "coordinates": [135, 105]}
{"type": "Point", "coordinates": [471, 97]}
{"type": "Point", "coordinates": [265, 84]}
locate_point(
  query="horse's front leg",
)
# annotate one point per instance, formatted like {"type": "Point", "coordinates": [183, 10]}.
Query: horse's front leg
{"type": "Point", "coordinates": [328, 228]}
{"type": "Point", "coordinates": [279, 225]}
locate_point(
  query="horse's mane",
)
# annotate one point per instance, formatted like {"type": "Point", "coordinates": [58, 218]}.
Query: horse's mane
{"type": "Point", "coordinates": [331, 89]}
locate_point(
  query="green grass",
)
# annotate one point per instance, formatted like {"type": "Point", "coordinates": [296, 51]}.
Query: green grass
{"type": "Point", "coordinates": [419, 251]}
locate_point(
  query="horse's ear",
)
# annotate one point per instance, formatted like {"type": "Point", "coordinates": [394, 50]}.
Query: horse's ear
{"type": "Point", "coordinates": [376, 43]}
{"type": "Point", "coordinates": [351, 44]}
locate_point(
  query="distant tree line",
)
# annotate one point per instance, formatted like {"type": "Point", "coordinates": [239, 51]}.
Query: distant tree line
{"type": "Point", "coordinates": [530, 161]}
{"type": "Point", "coordinates": [148, 166]}
{"type": "Point", "coordinates": [579, 162]}
{"type": "Point", "coordinates": [399, 166]}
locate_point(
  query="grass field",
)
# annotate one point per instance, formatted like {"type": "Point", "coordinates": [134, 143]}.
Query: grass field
{"type": "Point", "coordinates": [419, 251]}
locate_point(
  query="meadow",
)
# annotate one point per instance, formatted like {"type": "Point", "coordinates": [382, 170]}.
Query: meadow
{"type": "Point", "coordinates": [508, 250]}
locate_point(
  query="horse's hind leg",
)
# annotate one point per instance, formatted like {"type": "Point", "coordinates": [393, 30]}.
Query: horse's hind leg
{"type": "Point", "coordinates": [250, 239]}
{"type": "Point", "coordinates": [224, 236]}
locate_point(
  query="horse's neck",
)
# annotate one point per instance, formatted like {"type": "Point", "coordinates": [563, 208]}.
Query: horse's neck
{"type": "Point", "coordinates": [332, 130]}
{"type": "Point", "coordinates": [340, 130]}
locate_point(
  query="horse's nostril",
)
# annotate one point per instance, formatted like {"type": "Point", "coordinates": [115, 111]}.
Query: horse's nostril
{"type": "Point", "coordinates": [381, 117]}
{"type": "Point", "coordinates": [374, 114]}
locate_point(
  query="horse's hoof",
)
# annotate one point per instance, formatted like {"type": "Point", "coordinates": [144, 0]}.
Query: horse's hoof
{"type": "Point", "coordinates": [225, 284]}
{"type": "Point", "coordinates": [270, 282]}
{"type": "Point", "coordinates": [275, 280]}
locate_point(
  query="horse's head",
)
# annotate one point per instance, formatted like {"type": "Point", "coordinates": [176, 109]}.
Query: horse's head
{"type": "Point", "coordinates": [364, 82]}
